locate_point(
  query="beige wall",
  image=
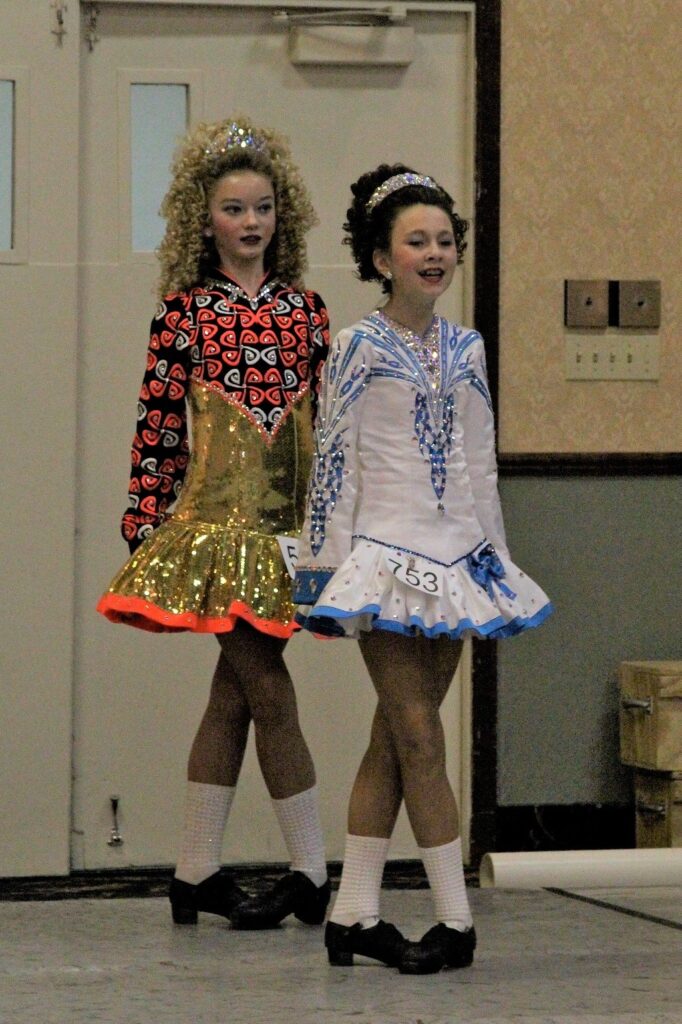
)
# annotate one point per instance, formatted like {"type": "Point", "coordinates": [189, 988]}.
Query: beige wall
{"type": "Point", "coordinates": [591, 172]}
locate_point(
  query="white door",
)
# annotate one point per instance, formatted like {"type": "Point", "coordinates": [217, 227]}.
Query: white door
{"type": "Point", "coordinates": [139, 697]}
{"type": "Point", "coordinates": [38, 297]}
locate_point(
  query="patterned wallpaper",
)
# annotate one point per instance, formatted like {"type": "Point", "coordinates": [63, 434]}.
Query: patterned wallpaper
{"type": "Point", "coordinates": [591, 188]}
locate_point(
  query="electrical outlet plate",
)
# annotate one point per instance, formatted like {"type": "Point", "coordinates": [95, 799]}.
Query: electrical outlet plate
{"type": "Point", "coordinates": [611, 356]}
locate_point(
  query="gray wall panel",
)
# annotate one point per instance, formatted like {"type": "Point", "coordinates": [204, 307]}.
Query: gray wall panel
{"type": "Point", "coordinates": [609, 553]}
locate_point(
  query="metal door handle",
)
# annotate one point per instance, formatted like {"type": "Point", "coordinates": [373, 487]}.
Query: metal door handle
{"type": "Point", "coordinates": [115, 837]}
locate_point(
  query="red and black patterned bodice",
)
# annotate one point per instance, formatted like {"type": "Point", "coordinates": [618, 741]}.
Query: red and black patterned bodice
{"type": "Point", "coordinates": [262, 352]}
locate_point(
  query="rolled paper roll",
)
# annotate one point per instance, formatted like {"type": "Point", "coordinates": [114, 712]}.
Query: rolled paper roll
{"type": "Point", "coordinates": [581, 869]}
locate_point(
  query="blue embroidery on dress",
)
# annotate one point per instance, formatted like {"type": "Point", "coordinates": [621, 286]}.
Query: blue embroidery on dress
{"type": "Point", "coordinates": [394, 358]}
{"type": "Point", "coordinates": [434, 407]}
{"type": "Point", "coordinates": [345, 383]}
{"type": "Point", "coordinates": [461, 369]}
{"type": "Point", "coordinates": [326, 481]}
{"type": "Point", "coordinates": [435, 445]}
{"type": "Point", "coordinates": [407, 551]}
{"type": "Point", "coordinates": [346, 379]}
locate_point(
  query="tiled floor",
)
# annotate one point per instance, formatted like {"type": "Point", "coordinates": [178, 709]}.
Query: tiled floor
{"type": "Point", "coordinates": [544, 958]}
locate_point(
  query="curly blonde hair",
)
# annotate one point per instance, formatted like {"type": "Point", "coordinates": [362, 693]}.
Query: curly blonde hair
{"type": "Point", "coordinates": [185, 253]}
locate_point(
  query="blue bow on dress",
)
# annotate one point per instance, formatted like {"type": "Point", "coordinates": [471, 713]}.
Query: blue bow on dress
{"type": "Point", "coordinates": [486, 568]}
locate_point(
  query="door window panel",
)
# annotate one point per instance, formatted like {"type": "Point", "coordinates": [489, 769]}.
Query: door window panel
{"type": "Point", "coordinates": [158, 118]}
{"type": "Point", "coordinates": [6, 164]}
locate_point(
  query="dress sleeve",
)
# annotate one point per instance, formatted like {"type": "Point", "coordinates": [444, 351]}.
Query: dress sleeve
{"type": "Point", "coordinates": [319, 345]}
{"type": "Point", "coordinates": [160, 449]}
{"type": "Point", "coordinates": [479, 446]}
{"type": "Point", "coordinates": [332, 492]}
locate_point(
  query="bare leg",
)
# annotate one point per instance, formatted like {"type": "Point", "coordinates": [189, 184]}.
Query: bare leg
{"type": "Point", "coordinates": [218, 749]}
{"type": "Point", "coordinates": [214, 764]}
{"type": "Point", "coordinates": [380, 781]}
{"type": "Point", "coordinates": [257, 662]}
{"type": "Point", "coordinates": [250, 682]}
{"type": "Point", "coordinates": [378, 789]}
{"type": "Point", "coordinates": [411, 676]}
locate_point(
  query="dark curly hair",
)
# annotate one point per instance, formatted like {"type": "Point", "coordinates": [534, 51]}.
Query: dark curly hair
{"type": "Point", "coordinates": [370, 231]}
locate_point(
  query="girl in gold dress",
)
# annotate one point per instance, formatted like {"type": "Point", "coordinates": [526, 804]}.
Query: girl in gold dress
{"type": "Point", "coordinates": [238, 344]}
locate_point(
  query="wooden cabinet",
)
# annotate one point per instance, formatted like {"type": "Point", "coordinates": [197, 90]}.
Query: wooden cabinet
{"type": "Point", "coordinates": [651, 714]}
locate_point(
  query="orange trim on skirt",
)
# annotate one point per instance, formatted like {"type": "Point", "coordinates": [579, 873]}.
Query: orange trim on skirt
{"type": "Point", "coordinates": [133, 611]}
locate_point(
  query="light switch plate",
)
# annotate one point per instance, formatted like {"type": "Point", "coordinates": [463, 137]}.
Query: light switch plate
{"type": "Point", "coordinates": [611, 356]}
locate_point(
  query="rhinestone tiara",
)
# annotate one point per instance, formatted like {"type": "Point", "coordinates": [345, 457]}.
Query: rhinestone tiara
{"type": "Point", "coordinates": [398, 181]}
{"type": "Point", "coordinates": [236, 137]}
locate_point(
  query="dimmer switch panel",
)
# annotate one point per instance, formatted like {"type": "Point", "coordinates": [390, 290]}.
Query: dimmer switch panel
{"type": "Point", "coordinates": [586, 303]}
{"type": "Point", "coordinates": [639, 304]}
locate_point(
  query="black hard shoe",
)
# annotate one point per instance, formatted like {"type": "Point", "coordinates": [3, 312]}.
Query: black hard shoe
{"type": "Point", "coordinates": [380, 942]}
{"type": "Point", "coordinates": [217, 894]}
{"type": "Point", "coordinates": [293, 894]}
{"type": "Point", "coordinates": [440, 947]}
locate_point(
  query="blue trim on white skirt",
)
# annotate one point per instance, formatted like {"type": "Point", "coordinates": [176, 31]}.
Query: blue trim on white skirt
{"type": "Point", "coordinates": [324, 622]}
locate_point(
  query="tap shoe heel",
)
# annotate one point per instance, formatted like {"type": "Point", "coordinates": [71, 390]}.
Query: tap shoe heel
{"type": "Point", "coordinates": [382, 942]}
{"type": "Point", "coordinates": [293, 893]}
{"type": "Point", "coordinates": [217, 894]}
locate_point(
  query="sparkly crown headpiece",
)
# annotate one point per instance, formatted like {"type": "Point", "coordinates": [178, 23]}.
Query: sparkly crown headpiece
{"type": "Point", "coordinates": [236, 138]}
{"type": "Point", "coordinates": [398, 181]}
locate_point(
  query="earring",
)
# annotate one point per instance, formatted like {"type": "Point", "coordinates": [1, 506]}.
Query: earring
{"type": "Point", "coordinates": [388, 275]}
{"type": "Point", "coordinates": [207, 233]}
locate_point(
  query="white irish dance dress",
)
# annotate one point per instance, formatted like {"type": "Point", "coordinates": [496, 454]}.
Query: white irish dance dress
{"type": "Point", "coordinates": [403, 528]}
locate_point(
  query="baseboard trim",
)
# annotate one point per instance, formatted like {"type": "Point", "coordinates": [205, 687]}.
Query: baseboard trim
{"type": "Point", "coordinates": [591, 464]}
{"type": "Point", "coordinates": [131, 883]}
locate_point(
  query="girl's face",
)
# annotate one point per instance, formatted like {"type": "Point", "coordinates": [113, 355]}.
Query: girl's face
{"type": "Point", "coordinates": [422, 255]}
{"type": "Point", "coordinates": [242, 218]}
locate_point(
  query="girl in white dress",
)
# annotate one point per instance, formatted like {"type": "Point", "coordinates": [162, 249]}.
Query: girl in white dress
{"type": "Point", "coordinates": [404, 548]}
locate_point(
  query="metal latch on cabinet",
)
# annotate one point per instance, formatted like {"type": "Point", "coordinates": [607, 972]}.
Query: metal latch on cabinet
{"type": "Point", "coordinates": [644, 704]}
{"type": "Point", "coordinates": [657, 810]}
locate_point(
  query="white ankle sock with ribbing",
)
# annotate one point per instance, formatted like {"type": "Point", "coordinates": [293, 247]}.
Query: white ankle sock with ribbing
{"type": "Point", "coordinates": [445, 872]}
{"type": "Point", "coordinates": [206, 811]}
{"type": "Point", "coordinates": [299, 820]}
{"type": "Point", "coordinates": [360, 887]}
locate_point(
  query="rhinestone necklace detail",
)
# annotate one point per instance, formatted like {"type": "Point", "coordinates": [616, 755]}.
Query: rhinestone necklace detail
{"type": "Point", "coordinates": [235, 292]}
{"type": "Point", "coordinates": [425, 347]}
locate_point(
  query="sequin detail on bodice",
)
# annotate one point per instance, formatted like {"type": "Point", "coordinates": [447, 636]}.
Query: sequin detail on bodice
{"type": "Point", "coordinates": [235, 479]}
{"type": "Point", "coordinates": [426, 347]}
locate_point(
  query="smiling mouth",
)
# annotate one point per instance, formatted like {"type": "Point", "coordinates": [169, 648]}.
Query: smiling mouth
{"type": "Point", "coordinates": [434, 274]}
{"type": "Point", "coordinates": [251, 239]}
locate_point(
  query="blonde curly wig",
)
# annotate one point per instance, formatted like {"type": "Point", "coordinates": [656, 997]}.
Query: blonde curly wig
{"type": "Point", "coordinates": [185, 254]}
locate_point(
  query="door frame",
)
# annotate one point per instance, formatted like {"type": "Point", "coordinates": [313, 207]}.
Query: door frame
{"type": "Point", "coordinates": [488, 38]}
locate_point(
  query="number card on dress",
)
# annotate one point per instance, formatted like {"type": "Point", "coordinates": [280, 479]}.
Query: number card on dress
{"type": "Point", "coordinates": [416, 572]}
{"type": "Point", "coordinates": [289, 548]}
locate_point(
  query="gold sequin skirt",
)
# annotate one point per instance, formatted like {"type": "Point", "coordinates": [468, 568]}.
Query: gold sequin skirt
{"type": "Point", "coordinates": [203, 577]}
{"type": "Point", "coordinates": [216, 558]}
